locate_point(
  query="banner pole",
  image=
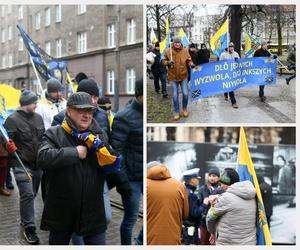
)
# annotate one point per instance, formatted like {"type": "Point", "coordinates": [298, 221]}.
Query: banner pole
{"type": "Point", "coordinates": [36, 74]}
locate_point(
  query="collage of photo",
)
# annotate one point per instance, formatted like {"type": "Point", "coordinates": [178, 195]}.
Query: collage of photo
{"type": "Point", "coordinates": [147, 124]}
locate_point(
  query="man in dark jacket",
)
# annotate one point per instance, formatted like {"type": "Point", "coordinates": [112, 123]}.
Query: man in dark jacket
{"type": "Point", "coordinates": [25, 129]}
{"type": "Point", "coordinates": [203, 54]}
{"type": "Point", "coordinates": [262, 52]}
{"type": "Point", "coordinates": [159, 72]}
{"type": "Point", "coordinates": [267, 196]}
{"type": "Point", "coordinates": [127, 139]}
{"type": "Point", "coordinates": [210, 188]}
{"type": "Point", "coordinates": [77, 158]}
{"type": "Point", "coordinates": [89, 86]}
{"type": "Point", "coordinates": [191, 224]}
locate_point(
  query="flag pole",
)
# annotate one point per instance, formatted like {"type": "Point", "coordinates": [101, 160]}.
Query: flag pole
{"type": "Point", "coordinates": [239, 148]}
{"type": "Point", "coordinates": [36, 74]}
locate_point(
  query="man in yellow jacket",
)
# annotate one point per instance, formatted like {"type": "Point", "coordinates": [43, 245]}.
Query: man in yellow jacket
{"type": "Point", "coordinates": [178, 61]}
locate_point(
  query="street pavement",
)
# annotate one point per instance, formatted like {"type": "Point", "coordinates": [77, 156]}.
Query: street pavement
{"type": "Point", "coordinates": [11, 232]}
{"type": "Point", "coordinates": [280, 106]}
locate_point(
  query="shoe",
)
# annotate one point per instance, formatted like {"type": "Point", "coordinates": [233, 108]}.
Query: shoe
{"type": "Point", "coordinates": [157, 91]}
{"type": "Point", "coordinates": [9, 185]}
{"type": "Point", "coordinates": [235, 106]}
{"type": "Point", "coordinates": [226, 98]}
{"type": "Point", "coordinates": [287, 81]}
{"type": "Point", "coordinates": [176, 117]}
{"type": "Point", "coordinates": [165, 95]}
{"type": "Point", "coordinates": [30, 236]}
{"type": "Point", "coordinates": [185, 113]}
{"type": "Point", "coordinates": [4, 192]}
{"type": "Point", "coordinates": [263, 98]}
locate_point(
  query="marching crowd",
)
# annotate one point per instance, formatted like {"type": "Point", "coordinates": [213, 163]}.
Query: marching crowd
{"type": "Point", "coordinates": [177, 62]}
{"type": "Point", "coordinates": [222, 211]}
{"type": "Point", "coordinates": [76, 150]}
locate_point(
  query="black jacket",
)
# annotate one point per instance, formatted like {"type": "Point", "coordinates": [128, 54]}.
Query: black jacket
{"type": "Point", "coordinates": [26, 130]}
{"type": "Point", "coordinates": [261, 53]}
{"type": "Point", "coordinates": [157, 67]}
{"type": "Point", "coordinates": [127, 139]}
{"type": "Point", "coordinates": [74, 199]}
{"type": "Point", "coordinates": [267, 196]}
{"type": "Point", "coordinates": [99, 115]}
{"type": "Point", "coordinates": [203, 56]}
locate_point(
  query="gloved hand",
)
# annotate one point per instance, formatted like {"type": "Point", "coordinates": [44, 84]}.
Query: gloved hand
{"type": "Point", "coordinates": [236, 58]}
{"type": "Point", "coordinates": [275, 56]}
{"type": "Point", "coordinates": [119, 180]}
{"type": "Point", "coordinates": [193, 66]}
{"type": "Point", "coordinates": [11, 146]}
{"type": "Point", "coordinates": [170, 63]}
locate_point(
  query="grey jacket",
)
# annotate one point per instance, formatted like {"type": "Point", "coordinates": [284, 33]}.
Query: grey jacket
{"type": "Point", "coordinates": [233, 218]}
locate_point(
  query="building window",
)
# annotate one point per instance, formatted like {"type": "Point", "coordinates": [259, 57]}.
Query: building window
{"type": "Point", "coordinates": [82, 42]}
{"type": "Point", "coordinates": [48, 47]}
{"type": "Point", "coordinates": [110, 82]}
{"type": "Point", "coordinates": [58, 47]}
{"type": "Point", "coordinates": [3, 61]}
{"type": "Point", "coordinates": [131, 31]}
{"type": "Point", "coordinates": [58, 13]}
{"type": "Point", "coordinates": [9, 9]}
{"type": "Point", "coordinates": [20, 47]}
{"type": "Point", "coordinates": [20, 12]}
{"type": "Point", "coordinates": [111, 32]}
{"type": "Point", "coordinates": [9, 33]}
{"type": "Point", "coordinates": [37, 21]}
{"type": "Point", "coordinates": [47, 17]}
{"type": "Point", "coordinates": [10, 60]}
{"type": "Point", "coordinates": [2, 10]}
{"type": "Point", "coordinates": [81, 9]}
{"type": "Point", "coordinates": [130, 81]}
{"type": "Point", "coordinates": [3, 35]}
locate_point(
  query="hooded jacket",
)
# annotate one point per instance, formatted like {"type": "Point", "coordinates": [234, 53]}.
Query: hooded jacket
{"type": "Point", "coordinates": [182, 61]}
{"type": "Point", "coordinates": [167, 207]}
{"type": "Point", "coordinates": [233, 218]}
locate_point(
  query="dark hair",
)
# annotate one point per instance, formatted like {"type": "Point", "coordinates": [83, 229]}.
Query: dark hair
{"type": "Point", "coordinates": [80, 76]}
{"type": "Point", "coordinates": [282, 157]}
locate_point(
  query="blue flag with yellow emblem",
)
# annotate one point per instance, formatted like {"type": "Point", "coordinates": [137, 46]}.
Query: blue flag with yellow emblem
{"type": "Point", "coordinates": [220, 40]}
{"type": "Point", "coordinates": [46, 65]}
{"type": "Point", "coordinates": [246, 171]}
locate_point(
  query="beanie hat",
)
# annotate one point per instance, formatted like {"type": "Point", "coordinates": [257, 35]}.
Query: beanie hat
{"type": "Point", "coordinates": [229, 176]}
{"type": "Point", "coordinates": [80, 76]}
{"type": "Point", "coordinates": [152, 164]}
{"type": "Point", "coordinates": [80, 100]}
{"type": "Point", "coordinates": [139, 87]}
{"type": "Point", "coordinates": [104, 103]}
{"type": "Point", "coordinates": [88, 86]}
{"type": "Point", "coordinates": [28, 97]}
{"type": "Point", "coordinates": [176, 39]}
{"type": "Point", "coordinates": [215, 171]}
{"type": "Point", "coordinates": [53, 85]}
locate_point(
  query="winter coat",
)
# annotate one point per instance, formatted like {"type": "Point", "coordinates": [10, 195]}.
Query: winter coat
{"type": "Point", "coordinates": [74, 201]}
{"type": "Point", "coordinates": [182, 62]}
{"type": "Point", "coordinates": [157, 67]}
{"type": "Point", "coordinates": [26, 130]}
{"type": "Point", "coordinates": [99, 115]}
{"type": "Point", "coordinates": [226, 55]}
{"type": "Point", "coordinates": [167, 207]}
{"type": "Point", "coordinates": [261, 53]}
{"type": "Point", "coordinates": [48, 109]}
{"type": "Point", "coordinates": [203, 56]}
{"type": "Point", "coordinates": [233, 218]}
{"type": "Point", "coordinates": [127, 139]}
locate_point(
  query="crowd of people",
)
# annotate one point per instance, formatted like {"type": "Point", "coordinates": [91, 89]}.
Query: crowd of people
{"type": "Point", "coordinates": [76, 150]}
{"type": "Point", "coordinates": [177, 62]}
{"type": "Point", "coordinates": [221, 211]}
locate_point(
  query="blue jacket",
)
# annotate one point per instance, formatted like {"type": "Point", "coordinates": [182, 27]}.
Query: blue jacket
{"type": "Point", "coordinates": [127, 139]}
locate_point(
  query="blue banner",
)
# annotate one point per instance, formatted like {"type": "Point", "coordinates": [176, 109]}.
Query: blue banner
{"type": "Point", "coordinates": [224, 76]}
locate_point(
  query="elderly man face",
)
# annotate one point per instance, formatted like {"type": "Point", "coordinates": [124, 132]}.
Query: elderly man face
{"type": "Point", "coordinates": [177, 45]}
{"type": "Point", "coordinates": [81, 117]}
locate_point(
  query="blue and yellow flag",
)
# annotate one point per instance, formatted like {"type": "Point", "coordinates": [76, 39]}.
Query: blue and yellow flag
{"type": "Point", "coordinates": [46, 65]}
{"type": "Point", "coordinates": [9, 101]}
{"type": "Point", "coordinates": [247, 172]}
{"type": "Point", "coordinates": [166, 42]}
{"type": "Point", "coordinates": [184, 40]}
{"type": "Point", "coordinates": [251, 44]}
{"type": "Point", "coordinates": [219, 42]}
